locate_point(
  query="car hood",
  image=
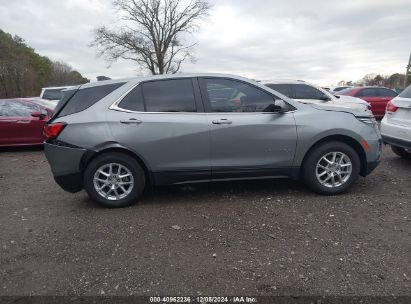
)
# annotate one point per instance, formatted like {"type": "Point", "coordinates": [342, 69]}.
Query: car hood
{"type": "Point", "coordinates": [344, 102]}
{"type": "Point", "coordinates": [343, 107]}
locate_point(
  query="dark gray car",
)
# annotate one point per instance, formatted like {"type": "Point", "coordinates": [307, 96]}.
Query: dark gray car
{"type": "Point", "coordinates": [115, 137]}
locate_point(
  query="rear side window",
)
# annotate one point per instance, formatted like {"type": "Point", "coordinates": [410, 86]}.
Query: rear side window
{"type": "Point", "coordinates": [406, 93]}
{"type": "Point", "coordinates": [85, 98]}
{"type": "Point", "coordinates": [175, 95]}
{"type": "Point", "coordinates": [386, 93]}
{"type": "Point", "coordinates": [133, 101]}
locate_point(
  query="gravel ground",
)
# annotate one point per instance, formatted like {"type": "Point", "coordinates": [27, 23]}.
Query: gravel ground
{"type": "Point", "coordinates": [252, 238]}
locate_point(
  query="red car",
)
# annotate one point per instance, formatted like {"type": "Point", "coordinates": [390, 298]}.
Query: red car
{"type": "Point", "coordinates": [377, 97]}
{"type": "Point", "coordinates": [22, 122]}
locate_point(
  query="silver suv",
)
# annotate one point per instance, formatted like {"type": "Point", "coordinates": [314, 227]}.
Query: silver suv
{"type": "Point", "coordinates": [113, 138]}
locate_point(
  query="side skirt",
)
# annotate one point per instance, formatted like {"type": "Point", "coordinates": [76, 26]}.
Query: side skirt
{"type": "Point", "coordinates": [178, 177]}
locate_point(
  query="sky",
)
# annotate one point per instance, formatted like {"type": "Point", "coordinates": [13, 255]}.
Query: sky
{"type": "Point", "coordinates": [314, 40]}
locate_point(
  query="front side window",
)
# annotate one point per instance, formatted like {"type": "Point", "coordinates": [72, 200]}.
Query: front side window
{"type": "Point", "coordinates": [303, 91]}
{"type": "Point", "coordinates": [174, 95]}
{"type": "Point", "coordinates": [227, 95]}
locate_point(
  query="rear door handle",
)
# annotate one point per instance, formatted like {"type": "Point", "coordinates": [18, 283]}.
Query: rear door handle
{"type": "Point", "coordinates": [131, 121]}
{"type": "Point", "coordinates": [222, 121]}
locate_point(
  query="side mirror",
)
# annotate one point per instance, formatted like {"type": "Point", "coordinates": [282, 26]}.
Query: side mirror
{"type": "Point", "coordinates": [40, 115]}
{"type": "Point", "coordinates": [325, 98]}
{"type": "Point", "coordinates": [273, 108]}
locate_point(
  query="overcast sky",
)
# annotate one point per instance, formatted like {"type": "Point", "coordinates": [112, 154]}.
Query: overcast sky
{"type": "Point", "coordinates": [318, 41]}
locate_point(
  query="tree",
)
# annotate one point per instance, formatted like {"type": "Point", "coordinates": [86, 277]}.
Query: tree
{"type": "Point", "coordinates": [23, 72]}
{"type": "Point", "coordinates": [153, 34]}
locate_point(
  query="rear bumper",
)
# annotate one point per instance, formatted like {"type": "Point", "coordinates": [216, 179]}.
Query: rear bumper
{"type": "Point", "coordinates": [396, 142]}
{"type": "Point", "coordinates": [65, 163]}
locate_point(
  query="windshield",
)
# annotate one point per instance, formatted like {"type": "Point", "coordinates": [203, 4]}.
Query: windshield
{"type": "Point", "coordinates": [406, 93]}
{"type": "Point", "coordinates": [45, 103]}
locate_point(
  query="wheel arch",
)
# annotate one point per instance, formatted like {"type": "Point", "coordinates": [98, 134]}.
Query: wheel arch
{"type": "Point", "coordinates": [110, 147]}
{"type": "Point", "coordinates": [341, 138]}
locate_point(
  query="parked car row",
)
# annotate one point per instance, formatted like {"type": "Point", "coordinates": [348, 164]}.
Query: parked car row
{"type": "Point", "coordinates": [377, 97]}
{"type": "Point", "coordinates": [114, 137]}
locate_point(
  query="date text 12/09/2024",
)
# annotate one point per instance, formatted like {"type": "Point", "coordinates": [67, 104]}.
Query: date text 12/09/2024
{"type": "Point", "coordinates": [203, 299]}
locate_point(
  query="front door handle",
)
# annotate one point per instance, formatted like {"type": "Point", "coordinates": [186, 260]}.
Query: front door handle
{"type": "Point", "coordinates": [222, 121]}
{"type": "Point", "coordinates": [131, 121]}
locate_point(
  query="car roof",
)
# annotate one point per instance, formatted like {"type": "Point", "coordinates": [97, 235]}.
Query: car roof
{"type": "Point", "coordinates": [61, 87]}
{"type": "Point", "coordinates": [370, 87]}
{"type": "Point", "coordinates": [283, 81]}
{"type": "Point", "coordinates": [160, 77]}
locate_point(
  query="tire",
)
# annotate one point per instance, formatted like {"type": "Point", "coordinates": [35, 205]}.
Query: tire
{"type": "Point", "coordinates": [401, 152]}
{"type": "Point", "coordinates": [315, 158]}
{"type": "Point", "coordinates": [122, 165]}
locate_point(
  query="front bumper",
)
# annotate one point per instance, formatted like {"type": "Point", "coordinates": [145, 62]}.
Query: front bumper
{"type": "Point", "coordinates": [371, 167]}
{"type": "Point", "coordinates": [65, 163]}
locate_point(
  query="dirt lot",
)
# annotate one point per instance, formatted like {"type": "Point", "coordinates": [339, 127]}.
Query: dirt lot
{"type": "Point", "coordinates": [250, 238]}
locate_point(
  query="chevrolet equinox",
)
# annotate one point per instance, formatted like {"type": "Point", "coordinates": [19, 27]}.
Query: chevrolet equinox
{"type": "Point", "coordinates": [115, 137]}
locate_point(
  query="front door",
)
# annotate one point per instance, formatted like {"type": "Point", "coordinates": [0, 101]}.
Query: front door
{"type": "Point", "coordinates": [249, 137]}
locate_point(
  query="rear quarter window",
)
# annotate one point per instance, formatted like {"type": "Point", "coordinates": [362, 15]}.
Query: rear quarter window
{"type": "Point", "coordinates": [85, 98]}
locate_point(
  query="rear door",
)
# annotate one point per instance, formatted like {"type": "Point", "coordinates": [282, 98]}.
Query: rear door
{"type": "Point", "coordinates": [164, 123]}
{"type": "Point", "coordinates": [247, 138]}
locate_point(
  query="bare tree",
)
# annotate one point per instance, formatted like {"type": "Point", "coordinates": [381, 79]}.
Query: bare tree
{"type": "Point", "coordinates": [153, 33]}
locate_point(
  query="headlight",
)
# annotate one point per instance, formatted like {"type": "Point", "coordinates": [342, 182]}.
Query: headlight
{"type": "Point", "coordinates": [371, 121]}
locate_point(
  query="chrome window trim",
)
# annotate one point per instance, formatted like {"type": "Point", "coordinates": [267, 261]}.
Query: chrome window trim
{"type": "Point", "coordinates": [114, 106]}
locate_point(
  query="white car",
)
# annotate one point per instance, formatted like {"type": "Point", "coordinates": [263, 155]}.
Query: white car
{"type": "Point", "coordinates": [309, 93]}
{"type": "Point", "coordinates": [396, 124]}
{"type": "Point", "coordinates": [53, 93]}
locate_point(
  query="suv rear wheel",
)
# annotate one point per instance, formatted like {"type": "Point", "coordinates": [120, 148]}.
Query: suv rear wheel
{"type": "Point", "coordinates": [114, 180]}
{"type": "Point", "coordinates": [401, 152]}
{"type": "Point", "coordinates": [331, 168]}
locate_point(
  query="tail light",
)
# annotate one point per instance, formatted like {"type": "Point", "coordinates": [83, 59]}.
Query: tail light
{"type": "Point", "coordinates": [52, 130]}
{"type": "Point", "coordinates": [391, 107]}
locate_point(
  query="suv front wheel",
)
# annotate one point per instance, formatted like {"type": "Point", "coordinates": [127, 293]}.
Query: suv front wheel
{"type": "Point", "coordinates": [331, 168]}
{"type": "Point", "coordinates": [114, 180]}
